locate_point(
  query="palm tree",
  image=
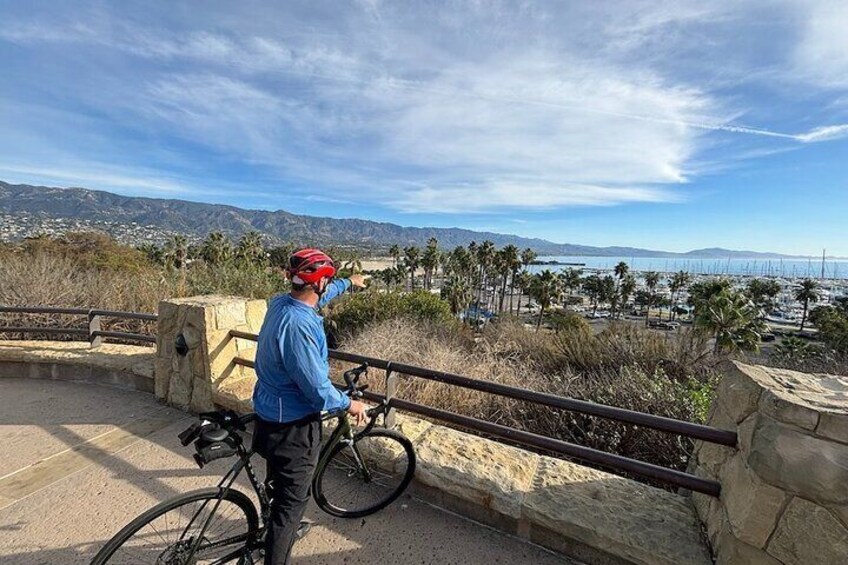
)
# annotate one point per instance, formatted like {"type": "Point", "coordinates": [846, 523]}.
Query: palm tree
{"type": "Point", "coordinates": [763, 293]}
{"type": "Point", "coordinates": [625, 290]}
{"type": "Point", "coordinates": [523, 280]}
{"type": "Point", "coordinates": [620, 270]}
{"type": "Point", "coordinates": [733, 319]}
{"type": "Point", "coordinates": [175, 255]}
{"type": "Point", "coordinates": [570, 281]}
{"type": "Point", "coordinates": [809, 292]}
{"type": "Point", "coordinates": [249, 248]}
{"type": "Point", "coordinates": [652, 279]}
{"type": "Point", "coordinates": [152, 251]}
{"type": "Point", "coordinates": [527, 257]}
{"type": "Point", "coordinates": [216, 249]}
{"type": "Point", "coordinates": [592, 286]}
{"type": "Point", "coordinates": [545, 289]}
{"type": "Point", "coordinates": [430, 261]}
{"type": "Point", "coordinates": [511, 261]}
{"type": "Point", "coordinates": [485, 257]}
{"type": "Point", "coordinates": [412, 259]}
{"type": "Point", "coordinates": [457, 293]}
{"type": "Point", "coordinates": [678, 282]}
{"type": "Point", "coordinates": [394, 251]}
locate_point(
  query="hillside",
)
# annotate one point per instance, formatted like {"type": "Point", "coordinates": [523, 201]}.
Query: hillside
{"type": "Point", "coordinates": [197, 219]}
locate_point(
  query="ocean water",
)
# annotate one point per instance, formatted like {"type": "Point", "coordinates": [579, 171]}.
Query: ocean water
{"type": "Point", "coordinates": [752, 267]}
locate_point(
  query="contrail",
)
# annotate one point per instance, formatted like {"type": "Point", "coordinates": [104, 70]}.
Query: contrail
{"type": "Point", "coordinates": [823, 133]}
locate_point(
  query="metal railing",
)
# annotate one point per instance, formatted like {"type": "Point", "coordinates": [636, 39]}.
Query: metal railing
{"type": "Point", "coordinates": [586, 454]}
{"type": "Point", "coordinates": [94, 332]}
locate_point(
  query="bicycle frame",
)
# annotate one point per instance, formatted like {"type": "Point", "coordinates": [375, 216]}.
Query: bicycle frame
{"type": "Point", "coordinates": [343, 433]}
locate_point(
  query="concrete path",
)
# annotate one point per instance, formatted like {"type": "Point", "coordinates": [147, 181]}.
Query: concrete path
{"type": "Point", "coordinates": [79, 461]}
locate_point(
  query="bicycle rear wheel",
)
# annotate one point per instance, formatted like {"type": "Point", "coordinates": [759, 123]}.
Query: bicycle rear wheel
{"type": "Point", "coordinates": [365, 476]}
{"type": "Point", "coordinates": [167, 533]}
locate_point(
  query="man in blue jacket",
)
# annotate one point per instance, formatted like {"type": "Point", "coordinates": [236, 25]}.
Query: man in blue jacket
{"type": "Point", "coordinates": [292, 390]}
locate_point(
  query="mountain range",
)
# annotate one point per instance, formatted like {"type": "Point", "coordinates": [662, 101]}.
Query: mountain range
{"type": "Point", "coordinates": [197, 219]}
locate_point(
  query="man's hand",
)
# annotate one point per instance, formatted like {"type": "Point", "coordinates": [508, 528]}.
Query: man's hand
{"type": "Point", "coordinates": [357, 411]}
{"type": "Point", "coordinates": [357, 280]}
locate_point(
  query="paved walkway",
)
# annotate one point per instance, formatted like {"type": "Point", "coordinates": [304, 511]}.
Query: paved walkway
{"type": "Point", "coordinates": [79, 461]}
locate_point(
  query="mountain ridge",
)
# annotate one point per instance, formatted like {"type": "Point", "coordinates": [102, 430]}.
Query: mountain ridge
{"type": "Point", "coordinates": [198, 218]}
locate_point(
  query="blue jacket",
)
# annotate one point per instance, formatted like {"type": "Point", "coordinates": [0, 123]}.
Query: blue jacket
{"type": "Point", "coordinates": [291, 360]}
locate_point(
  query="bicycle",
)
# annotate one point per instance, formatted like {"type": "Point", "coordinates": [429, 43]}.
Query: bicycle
{"type": "Point", "coordinates": [358, 474]}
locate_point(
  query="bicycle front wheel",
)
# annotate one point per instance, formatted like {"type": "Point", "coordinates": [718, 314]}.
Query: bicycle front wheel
{"type": "Point", "coordinates": [207, 526]}
{"type": "Point", "coordinates": [366, 475]}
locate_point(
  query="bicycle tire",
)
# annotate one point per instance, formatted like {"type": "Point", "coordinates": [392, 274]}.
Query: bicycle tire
{"type": "Point", "coordinates": [239, 499]}
{"type": "Point", "coordinates": [334, 507]}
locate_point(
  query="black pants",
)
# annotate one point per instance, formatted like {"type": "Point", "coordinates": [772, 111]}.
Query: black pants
{"type": "Point", "coordinates": [291, 453]}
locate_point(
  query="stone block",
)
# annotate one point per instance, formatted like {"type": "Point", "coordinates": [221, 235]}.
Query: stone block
{"type": "Point", "coordinates": [808, 533]}
{"type": "Point", "coordinates": [489, 474]}
{"type": "Point", "coordinates": [712, 457]}
{"type": "Point", "coordinates": [781, 407]}
{"type": "Point", "coordinates": [801, 463]}
{"type": "Point", "coordinates": [751, 506]}
{"type": "Point", "coordinates": [628, 520]}
{"type": "Point", "coordinates": [161, 376]}
{"type": "Point", "coordinates": [745, 432]}
{"type": "Point", "coordinates": [412, 427]}
{"type": "Point", "coordinates": [711, 513]}
{"type": "Point", "coordinates": [731, 551]}
{"type": "Point", "coordinates": [222, 351]}
{"type": "Point", "coordinates": [738, 392]}
{"type": "Point", "coordinates": [255, 313]}
{"type": "Point", "coordinates": [833, 425]}
{"type": "Point", "coordinates": [230, 313]}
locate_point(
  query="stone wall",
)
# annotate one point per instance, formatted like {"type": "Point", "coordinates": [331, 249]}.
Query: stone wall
{"type": "Point", "coordinates": [596, 517]}
{"type": "Point", "coordinates": [123, 366]}
{"type": "Point", "coordinates": [189, 381]}
{"type": "Point", "coordinates": [784, 493]}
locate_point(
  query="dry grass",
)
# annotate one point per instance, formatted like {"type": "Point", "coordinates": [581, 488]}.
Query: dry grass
{"type": "Point", "coordinates": [48, 279]}
{"type": "Point", "coordinates": [610, 369]}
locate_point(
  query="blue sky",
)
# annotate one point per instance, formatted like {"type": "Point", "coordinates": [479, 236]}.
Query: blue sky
{"type": "Point", "coordinates": [663, 125]}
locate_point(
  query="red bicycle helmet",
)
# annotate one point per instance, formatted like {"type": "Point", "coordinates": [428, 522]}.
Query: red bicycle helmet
{"type": "Point", "coordinates": [308, 266]}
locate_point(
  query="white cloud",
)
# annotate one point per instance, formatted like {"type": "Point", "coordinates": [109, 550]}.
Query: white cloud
{"type": "Point", "coordinates": [449, 108]}
{"type": "Point", "coordinates": [822, 54]}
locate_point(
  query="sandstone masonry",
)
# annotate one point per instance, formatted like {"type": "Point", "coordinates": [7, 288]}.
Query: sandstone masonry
{"type": "Point", "coordinates": [784, 493]}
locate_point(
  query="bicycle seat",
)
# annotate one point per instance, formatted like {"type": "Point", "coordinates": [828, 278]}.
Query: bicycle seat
{"type": "Point", "coordinates": [215, 435]}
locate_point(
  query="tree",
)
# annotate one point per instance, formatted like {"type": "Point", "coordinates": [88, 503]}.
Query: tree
{"type": "Point", "coordinates": [216, 249]}
{"type": "Point", "coordinates": [412, 260]}
{"type": "Point", "coordinates": [808, 292]}
{"type": "Point", "coordinates": [625, 290]}
{"type": "Point", "coordinates": [524, 281]}
{"type": "Point", "coordinates": [763, 293]}
{"type": "Point", "coordinates": [485, 257]}
{"type": "Point", "coordinates": [175, 255]}
{"type": "Point", "coordinates": [430, 261]}
{"type": "Point", "coordinates": [620, 271]}
{"type": "Point", "coordinates": [678, 282]}
{"type": "Point", "coordinates": [652, 279]}
{"type": "Point", "coordinates": [457, 293]}
{"type": "Point", "coordinates": [702, 291]}
{"type": "Point", "coordinates": [249, 249]}
{"type": "Point", "coordinates": [593, 287]}
{"type": "Point", "coordinates": [545, 289]}
{"type": "Point", "coordinates": [394, 251]}
{"type": "Point", "coordinates": [733, 319]}
{"type": "Point", "coordinates": [832, 323]}
{"type": "Point", "coordinates": [569, 281]}
{"type": "Point", "coordinates": [511, 262]}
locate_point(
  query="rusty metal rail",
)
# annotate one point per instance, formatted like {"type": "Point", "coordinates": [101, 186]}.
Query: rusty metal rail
{"type": "Point", "coordinates": [94, 332]}
{"type": "Point", "coordinates": [618, 462]}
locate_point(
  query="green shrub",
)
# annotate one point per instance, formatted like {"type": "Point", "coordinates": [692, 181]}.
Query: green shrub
{"type": "Point", "coordinates": [358, 310]}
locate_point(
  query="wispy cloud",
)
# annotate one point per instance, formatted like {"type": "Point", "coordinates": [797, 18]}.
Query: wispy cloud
{"type": "Point", "coordinates": [538, 108]}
